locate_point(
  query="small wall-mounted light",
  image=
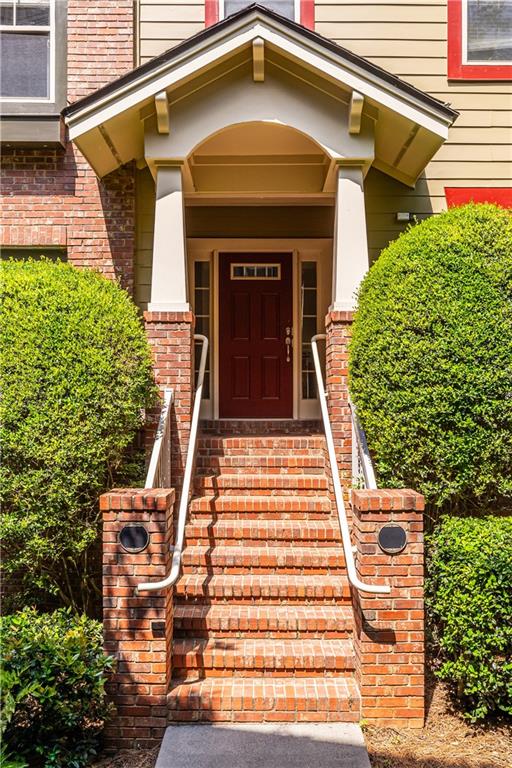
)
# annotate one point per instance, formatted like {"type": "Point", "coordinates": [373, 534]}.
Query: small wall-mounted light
{"type": "Point", "coordinates": [403, 216]}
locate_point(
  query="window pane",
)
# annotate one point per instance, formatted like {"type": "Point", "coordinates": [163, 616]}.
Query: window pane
{"type": "Point", "coordinates": [24, 63]}
{"type": "Point", "coordinates": [33, 14]}
{"type": "Point", "coordinates": [202, 274]}
{"type": "Point", "coordinates": [6, 13]}
{"type": "Point", "coordinates": [489, 30]}
{"type": "Point", "coordinates": [284, 7]}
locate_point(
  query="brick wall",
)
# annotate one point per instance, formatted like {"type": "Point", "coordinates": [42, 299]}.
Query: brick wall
{"type": "Point", "coordinates": [389, 636]}
{"type": "Point", "coordinates": [51, 196]}
{"type": "Point", "coordinates": [170, 335]}
{"type": "Point", "coordinates": [338, 327]}
{"type": "Point", "coordinates": [137, 629]}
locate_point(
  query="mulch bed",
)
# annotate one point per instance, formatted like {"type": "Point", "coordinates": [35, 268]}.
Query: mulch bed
{"type": "Point", "coordinates": [130, 759]}
{"type": "Point", "coordinates": [447, 741]}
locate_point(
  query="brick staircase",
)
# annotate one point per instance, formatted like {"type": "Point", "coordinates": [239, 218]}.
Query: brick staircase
{"type": "Point", "coordinates": [262, 620]}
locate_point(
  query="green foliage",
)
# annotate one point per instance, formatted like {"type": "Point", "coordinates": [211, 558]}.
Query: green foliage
{"type": "Point", "coordinates": [53, 689]}
{"type": "Point", "coordinates": [469, 603]}
{"type": "Point", "coordinates": [430, 358]}
{"type": "Point", "coordinates": [75, 376]}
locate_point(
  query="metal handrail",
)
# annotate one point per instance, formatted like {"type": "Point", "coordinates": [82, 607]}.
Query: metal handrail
{"type": "Point", "coordinates": [159, 470]}
{"type": "Point", "coordinates": [382, 589]}
{"type": "Point", "coordinates": [152, 586]}
{"type": "Point", "coordinates": [361, 459]}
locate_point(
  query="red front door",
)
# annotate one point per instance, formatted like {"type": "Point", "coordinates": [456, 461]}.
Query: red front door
{"type": "Point", "coordinates": [255, 322]}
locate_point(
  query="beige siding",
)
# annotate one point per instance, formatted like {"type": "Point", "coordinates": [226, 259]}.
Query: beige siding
{"type": "Point", "coordinates": [407, 38]}
{"type": "Point", "coordinates": [163, 24]}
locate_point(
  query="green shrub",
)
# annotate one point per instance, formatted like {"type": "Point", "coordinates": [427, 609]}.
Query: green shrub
{"type": "Point", "coordinates": [430, 358]}
{"type": "Point", "coordinates": [53, 699]}
{"type": "Point", "coordinates": [469, 603]}
{"type": "Point", "coordinates": [75, 375]}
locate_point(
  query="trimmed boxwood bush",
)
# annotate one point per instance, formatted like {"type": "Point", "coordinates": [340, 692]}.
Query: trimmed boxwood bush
{"type": "Point", "coordinates": [75, 376]}
{"type": "Point", "coordinates": [430, 358]}
{"type": "Point", "coordinates": [53, 689]}
{"type": "Point", "coordinates": [469, 603]}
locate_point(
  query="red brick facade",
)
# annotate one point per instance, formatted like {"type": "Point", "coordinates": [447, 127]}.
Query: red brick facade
{"type": "Point", "coordinates": [51, 196]}
{"type": "Point", "coordinates": [170, 335]}
{"type": "Point", "coordinates": [389, 639]}
{"type": "Point", "coordinates": [338, 326]}
{"type": "Point", "coordinates": [138, 630]}
{"type": "Point", "coordinates": [264, 564]}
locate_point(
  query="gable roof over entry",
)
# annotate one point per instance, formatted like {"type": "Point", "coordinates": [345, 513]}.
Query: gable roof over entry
{"type": "Point", "coordinates": [410, 126]}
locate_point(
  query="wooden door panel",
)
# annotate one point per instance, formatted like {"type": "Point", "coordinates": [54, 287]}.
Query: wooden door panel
{"type": "Point", "coordinates": [255, 378]}
{"type": "Point", "coordinates": [270, 316]}
{"type": "Point", "coordinates": [240, 377]}
{"type": "Point", "coordinates": [270, 378]}
{"type": "Point", "coordinates": [241, 316]}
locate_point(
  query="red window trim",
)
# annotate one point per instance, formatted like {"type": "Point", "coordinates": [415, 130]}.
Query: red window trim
{"type": "Point", "coordinates": [307, 13]}
{"type": "Point", "coordinates": [461, 195]}
{"type": "Point", "coordinates": [456, 69]}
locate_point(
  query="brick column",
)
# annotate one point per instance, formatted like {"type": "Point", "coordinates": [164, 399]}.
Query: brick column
{"type": "Point", "coordinates": [171, 337]}
{"type": "Point", "coordinates": [390, 629]}
{"type": "Point", "coordinates": [338, 328]}
{"type": "Point", "coordinates": [137, 629]}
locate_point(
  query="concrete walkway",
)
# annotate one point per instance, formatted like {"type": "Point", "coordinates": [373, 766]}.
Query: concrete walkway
{"type": "Point", "coordinates": [264, 745]}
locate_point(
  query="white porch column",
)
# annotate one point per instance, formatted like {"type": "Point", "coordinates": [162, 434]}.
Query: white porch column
{"type": "Point", "coordinates": [169, 290]}
{"type": "Point", "coordinates": [350, 247]}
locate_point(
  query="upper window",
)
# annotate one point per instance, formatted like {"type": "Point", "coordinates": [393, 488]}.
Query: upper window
{"type": "Point", "coordinates": [301, 11]}
{"type": "Point", "coordinates": [27, 57]}
{"type": "Point", "coordinates": [480, 39]}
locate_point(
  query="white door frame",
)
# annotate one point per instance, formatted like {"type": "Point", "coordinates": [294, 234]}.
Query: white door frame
{"type": "Point", "coordinates": [302, 249]}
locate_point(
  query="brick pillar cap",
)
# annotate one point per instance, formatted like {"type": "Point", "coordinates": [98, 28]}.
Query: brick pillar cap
{"type": "Point", "coordinates": [169, 317]}
{"type": "Point", "coordinates": [387, 498]}
{"type": "Point", "coordinates": [346, 316]}
{"type": "Point", "coordinates": [137, 498]}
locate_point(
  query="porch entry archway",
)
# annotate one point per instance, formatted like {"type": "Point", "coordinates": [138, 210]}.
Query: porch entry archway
{"type": "Point", "coordinates": [255, 335]}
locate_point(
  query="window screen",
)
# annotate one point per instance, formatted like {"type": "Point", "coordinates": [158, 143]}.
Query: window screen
{"type": "Point", "coordinates": [284, 7]}
{"type": "Point", "coordinates": [489, 31]}
{"type": "Point", "coordinates": [25, 39]}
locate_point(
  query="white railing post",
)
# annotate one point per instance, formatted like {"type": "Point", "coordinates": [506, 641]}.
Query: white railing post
{"type": "Point", "coordinates": [364, 464]}
{"type": "Point", "coordinates": [152, 586]}
{"type": "Point", "coordinates": [338, 491]}
{"type": "Point", "coordinates": [159, 470]}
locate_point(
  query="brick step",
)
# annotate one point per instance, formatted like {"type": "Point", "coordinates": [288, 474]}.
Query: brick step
{"type": "Point", "coordinates": [263, 559]}
{"type": "Point", "coordinates": [232, 484]}
{"type": "Point", "coordinates": [257, 620]}
{"type": "Point", "coordinates": [232, 532]}
{"type": "Point", "coordinates": [293, 464]}
{"type": "Point", "coordinates": [258, 699]}
{"type": "Point", "coordinates": [255, 657]}
{"type": "Point", "coordinates": [260, 426]}
{"type": "Point", "coordinates": [273, 507]}
{"type": "Point", "coordinates": [268, 587]}
{"type": "Point", "coordinates": [226, 445]}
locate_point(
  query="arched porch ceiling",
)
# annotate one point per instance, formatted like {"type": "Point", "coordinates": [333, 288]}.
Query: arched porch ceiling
{"type": "Point", "coordinates": [256, 67]}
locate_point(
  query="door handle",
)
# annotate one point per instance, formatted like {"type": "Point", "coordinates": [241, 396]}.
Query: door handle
{"type": "Point", "coordinates": [288, 341]}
